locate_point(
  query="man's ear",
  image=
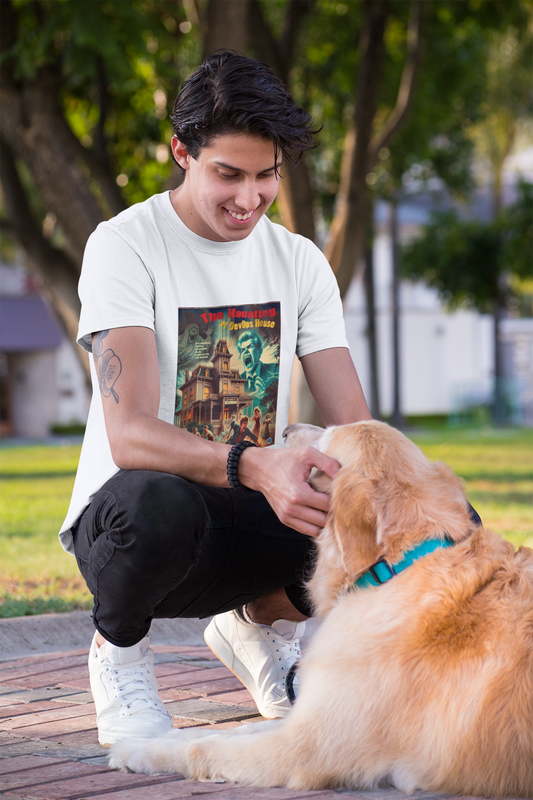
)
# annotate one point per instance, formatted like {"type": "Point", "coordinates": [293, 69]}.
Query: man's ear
{"type": "Point", "coordinates": [180, 152]}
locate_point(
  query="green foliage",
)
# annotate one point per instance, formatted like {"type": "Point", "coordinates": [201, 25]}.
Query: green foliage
{"type": "Point", "coordinates": [322, 81]}
{"type": "Point", "coordinates": [453, 80]}
{"type": "Point", "coordinates": [457, 73]}
{"type": "Point", "coordinates": [516, 226]}
{"type": "Point", "coordinates": [68, 429]}
{"type": "Point", "coordinates": [497, 468]}
{"type": "Point", "coordinates": [468, 262]}
{"type": "Point", "coordinates": [121, 65]}
{"type": "Point", "coordinates": [122, 62]}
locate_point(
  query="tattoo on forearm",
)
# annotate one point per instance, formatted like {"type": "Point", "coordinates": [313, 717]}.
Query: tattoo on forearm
{"type": "Point", "coordinates": [108, 366]}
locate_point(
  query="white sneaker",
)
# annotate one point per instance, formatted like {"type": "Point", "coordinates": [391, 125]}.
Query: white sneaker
{"type": "Point", "coordinates": [260, 656]}
{"type": "Point", "coordinates": [125, 693]}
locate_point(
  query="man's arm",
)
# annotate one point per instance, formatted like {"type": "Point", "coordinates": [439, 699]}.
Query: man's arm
{"type": "Point", "coordinates": [128, 375]}
{"type": "Point", "coordinates": [334, 384]}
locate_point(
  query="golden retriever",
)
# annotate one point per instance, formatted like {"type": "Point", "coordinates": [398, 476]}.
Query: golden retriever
{"type": "Point", "coordinates": [424, 682]}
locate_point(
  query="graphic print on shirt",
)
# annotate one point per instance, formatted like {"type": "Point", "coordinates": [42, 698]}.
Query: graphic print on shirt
{"type": "Point", "coordinates": [228, 372]}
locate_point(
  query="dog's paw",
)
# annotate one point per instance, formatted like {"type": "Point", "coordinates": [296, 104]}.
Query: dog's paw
{"type": "Point", "coordinates": [133, 755]}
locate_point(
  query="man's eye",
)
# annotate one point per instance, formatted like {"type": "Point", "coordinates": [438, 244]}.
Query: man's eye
{"type": "Point", "coordinates": [227, 175]}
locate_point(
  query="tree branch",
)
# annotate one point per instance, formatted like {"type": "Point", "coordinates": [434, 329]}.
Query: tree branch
{"type": "Point", "coordinates": [100, 170]}
{"type": "Point", "coordinates": [344, 246]}
{"type": "Point", "coordinates": [295, 196]}
{"type": "Point", "coordinates": [263, 41]}
{"type": "Point", "coordinates": [406, 92]}
{"type": "Point", "coordinates": [296, 11]}
{"type": "Point", "coordinates": [226, 26]}
{"type": "Point", "coordinates": [33, 126]}
{"type": "Point", "coordinates": [7, 228]}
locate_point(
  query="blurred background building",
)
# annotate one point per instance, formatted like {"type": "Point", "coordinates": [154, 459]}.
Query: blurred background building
{"type": "Point", "coordinates": [42, 386]}
{"type": "Point", "coordinates": [447, 357]}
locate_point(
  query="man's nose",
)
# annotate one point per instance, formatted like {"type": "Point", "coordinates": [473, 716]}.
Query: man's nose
{"type": "Point", "coordinates": [248, 197]}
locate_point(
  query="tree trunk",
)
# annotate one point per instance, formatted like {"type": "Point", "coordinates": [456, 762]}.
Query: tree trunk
{"type": "Point", "coordinates": [295, 199]}
{"type": "Point", "coordinates": [295, 195]}
{"type": "Point", "coordinates": [397, 418]}
{"type": "Point", "coordinates": [501, 147]}
{"type": "Point", "coordinates": [58, 274]}
{"type": "Point", "coordinates": [499, 402]}
{"type": "Point", "coordinates": [345, 244]}
{"type": "Point", "coordinates": [371, 327]}
{"type": "Point", "coordinates": [37, 133]}
{"type": "Point", "coordinates": [226, 26]}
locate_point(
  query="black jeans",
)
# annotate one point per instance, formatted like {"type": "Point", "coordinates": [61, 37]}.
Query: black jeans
{"type": "Point", "coordinates": [151, 544]}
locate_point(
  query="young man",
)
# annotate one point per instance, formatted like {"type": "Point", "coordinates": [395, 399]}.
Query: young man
{"type": "Point", "coordinates": [164, 523]}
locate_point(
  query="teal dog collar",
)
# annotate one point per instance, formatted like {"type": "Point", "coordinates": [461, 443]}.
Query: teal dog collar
{"type": "Point", "coordinates": [382, 571]}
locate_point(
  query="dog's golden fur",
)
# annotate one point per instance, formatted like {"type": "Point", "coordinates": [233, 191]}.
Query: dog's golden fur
{"type": "Point", "coordinates": [425, 682]}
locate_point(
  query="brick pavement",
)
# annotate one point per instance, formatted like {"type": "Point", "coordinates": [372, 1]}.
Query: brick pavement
{"type": "Point", "coordinates": [48, 741]}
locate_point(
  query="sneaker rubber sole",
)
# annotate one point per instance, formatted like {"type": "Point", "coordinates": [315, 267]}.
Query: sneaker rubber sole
{"type": "Point", "coordinates": [224, 652]}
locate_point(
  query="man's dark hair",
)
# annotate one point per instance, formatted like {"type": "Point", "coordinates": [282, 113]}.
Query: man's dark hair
{"type": "Point", "coordinates": [230, 93]}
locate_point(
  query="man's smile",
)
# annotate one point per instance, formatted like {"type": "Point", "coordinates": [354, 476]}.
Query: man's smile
{"type": "Point", "coordinates": [238, 216]}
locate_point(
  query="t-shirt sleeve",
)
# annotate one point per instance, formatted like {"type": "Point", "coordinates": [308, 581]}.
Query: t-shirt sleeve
{"type": "Point", "coordinates": [320, 315]}
{"type": "Point", "coordinates": [116, 289]}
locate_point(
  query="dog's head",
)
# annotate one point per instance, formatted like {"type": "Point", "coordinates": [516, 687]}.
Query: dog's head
{"type": "Point", "coordinates": [386, 498]}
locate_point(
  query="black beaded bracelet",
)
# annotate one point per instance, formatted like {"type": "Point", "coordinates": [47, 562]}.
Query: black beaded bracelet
{"type": "Point", "coordinates": [233, 465]}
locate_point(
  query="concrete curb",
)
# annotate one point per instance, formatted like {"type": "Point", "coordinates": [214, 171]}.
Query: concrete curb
{"type": "Point", "coordinates": [56, 633]}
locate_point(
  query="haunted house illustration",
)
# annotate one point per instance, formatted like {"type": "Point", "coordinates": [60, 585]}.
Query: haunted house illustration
{"type": "Point", "coordinates": [212, 394]}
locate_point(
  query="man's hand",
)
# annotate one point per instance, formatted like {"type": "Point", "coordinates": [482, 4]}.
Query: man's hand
{"type": "Point", "coordinates": [281, 475]}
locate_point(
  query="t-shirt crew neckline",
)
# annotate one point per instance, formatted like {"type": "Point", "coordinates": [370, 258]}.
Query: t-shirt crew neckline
{"type": "Point", "coordinates": [192, 239]}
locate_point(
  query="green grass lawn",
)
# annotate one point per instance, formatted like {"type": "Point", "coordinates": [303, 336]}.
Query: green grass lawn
{"type": "Point", "coordinates": [36, 576]}
{"type": "Point", "coordinates": [497, 467]}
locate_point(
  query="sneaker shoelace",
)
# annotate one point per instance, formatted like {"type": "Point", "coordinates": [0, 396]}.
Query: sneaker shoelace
{"type": "Point", "coordinates": [288, 650]}
{"type": "Point", "coordinates": [133, 683]}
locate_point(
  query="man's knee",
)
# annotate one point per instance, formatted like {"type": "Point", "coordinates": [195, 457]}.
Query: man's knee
{"type": "Point", "coordinates": [148, 515]}
{"type": "Point", "coordinates": [166, 512]}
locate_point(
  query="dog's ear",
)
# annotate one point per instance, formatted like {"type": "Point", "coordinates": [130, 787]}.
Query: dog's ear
{"type": "Point", "coordinates": [320, 481]}
{"type": "Point", "coordinates": [431, 506]}
{"type": "Point", "coordinates": [353, 521]}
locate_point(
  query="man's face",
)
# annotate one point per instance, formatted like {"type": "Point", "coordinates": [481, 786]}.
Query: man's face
{"type": "Point", "coordinates": [233, 177]}
{"type": "Point", "coordinates": [243, 424]}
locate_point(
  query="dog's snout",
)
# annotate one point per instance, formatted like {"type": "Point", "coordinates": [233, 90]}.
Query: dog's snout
{"type": "Point", "coordinates": [301, 434]}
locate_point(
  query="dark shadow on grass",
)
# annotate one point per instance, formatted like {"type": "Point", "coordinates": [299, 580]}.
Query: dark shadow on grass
{"type": "Point", "coordinates": [14, 606]}
{"type": "Point", "coordinates": [507, 498]}
{"type": "Point", "coordinates": [496, 477]}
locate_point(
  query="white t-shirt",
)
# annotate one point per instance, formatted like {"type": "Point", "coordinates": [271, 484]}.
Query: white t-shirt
{"type": "Point", "coordinates": [228, 318]}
